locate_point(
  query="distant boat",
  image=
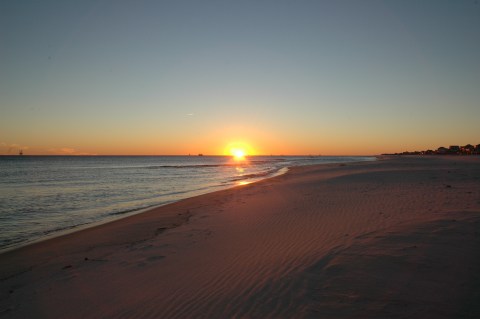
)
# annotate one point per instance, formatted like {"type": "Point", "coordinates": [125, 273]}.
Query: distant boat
{"type": "Point", "coordinates": [20, 153]}
{"type": "Point", "coordinates": [200, 154]}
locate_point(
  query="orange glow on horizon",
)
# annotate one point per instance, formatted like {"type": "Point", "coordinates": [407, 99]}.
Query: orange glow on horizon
{"type": "Point", "coordinates": [239, 150]}
{"type": "Point", "coordinates": [238, 154]}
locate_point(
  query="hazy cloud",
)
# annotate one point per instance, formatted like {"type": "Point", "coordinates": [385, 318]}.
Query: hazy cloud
{"type": "Point", "coordinates": [67, 151]}
{"type": "Point", "coordinates": [6, 148]}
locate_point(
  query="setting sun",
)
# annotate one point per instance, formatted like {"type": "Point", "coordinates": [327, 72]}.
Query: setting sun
{"type": "Point", "coordinates": [239, 154]}
{"type": "Point", "coordinates": [239, 150]}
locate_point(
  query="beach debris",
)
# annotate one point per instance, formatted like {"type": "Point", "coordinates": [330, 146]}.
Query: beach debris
{"type": "Point", "coordinates": [155, 258]}
{"type": "Point", "coordinates": [67, 266]}
{"type": "Point", "coordinates": [160, 230]}
{"type": "Point", "coordinates": [88, 259]}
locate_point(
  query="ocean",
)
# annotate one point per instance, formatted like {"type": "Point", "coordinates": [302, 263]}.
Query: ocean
{"type": "Point", "coordinates": [41, 196]}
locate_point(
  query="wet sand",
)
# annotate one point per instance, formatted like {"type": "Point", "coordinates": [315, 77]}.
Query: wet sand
{"type": "Point", "coordinates": [396, 238]}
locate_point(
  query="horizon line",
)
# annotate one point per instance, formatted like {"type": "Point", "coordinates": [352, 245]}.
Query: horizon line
{"type": "Point", "coordinates": [187, 155]}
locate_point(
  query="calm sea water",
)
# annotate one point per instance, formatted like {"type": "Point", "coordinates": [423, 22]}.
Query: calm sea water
{"type": "Point", "coordinates": [45, 195]}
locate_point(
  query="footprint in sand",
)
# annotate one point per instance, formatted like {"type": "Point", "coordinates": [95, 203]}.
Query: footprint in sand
{"type": "Point", "coordinates": [155, 258]}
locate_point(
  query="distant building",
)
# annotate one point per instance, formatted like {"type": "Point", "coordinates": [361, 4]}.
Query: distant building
{"type": "Point", "coordinates": [468, 149]}
{"type": "Point", "coordinates": [454, 149]}
{"type": "Point", "coordinates": [442, 150]}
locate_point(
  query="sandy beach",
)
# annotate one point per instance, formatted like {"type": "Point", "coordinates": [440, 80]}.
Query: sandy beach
{"type": "Point", "coordinates": [394, 238]}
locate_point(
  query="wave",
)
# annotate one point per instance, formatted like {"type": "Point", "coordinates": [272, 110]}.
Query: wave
{"type": "Point", "coordinates": [126, 211]}
{"type": "Point", "coordinates": [242, 164]}
{"type": "Point", "coordinates": [190, 166]}
{"type": "Point", "coordinates": [256, 175]}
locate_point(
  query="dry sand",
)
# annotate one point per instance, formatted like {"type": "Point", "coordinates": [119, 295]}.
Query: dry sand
{"type": "Point", "coordinates": [395, 238]}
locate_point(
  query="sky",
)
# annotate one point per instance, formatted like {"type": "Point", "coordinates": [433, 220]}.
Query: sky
{"type": "Point", "coordinates": [271, 77]}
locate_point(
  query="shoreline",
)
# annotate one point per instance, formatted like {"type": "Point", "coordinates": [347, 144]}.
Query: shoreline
{"type": "Point", "coordinates": [113, 219]}
{"type": "Point", "coordinates": [256, 250]}
{"type": "Point", "coordinates": [118, 216]}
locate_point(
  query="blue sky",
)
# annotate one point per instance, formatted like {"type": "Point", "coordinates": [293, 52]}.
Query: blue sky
{"type": "Point", "coordinates": [294, 77]}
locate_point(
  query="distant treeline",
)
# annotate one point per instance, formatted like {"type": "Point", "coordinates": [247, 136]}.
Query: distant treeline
{"type": "Point", "coordinates": [468, 149]}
